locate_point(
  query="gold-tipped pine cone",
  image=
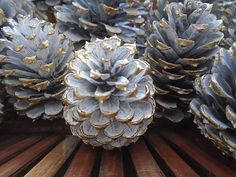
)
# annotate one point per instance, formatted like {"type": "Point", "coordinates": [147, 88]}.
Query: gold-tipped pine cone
{"type": "Point", "coordinates": [48, 5]}
{"type": "Point", "coordinates": [90, 19]}
{"type": "Point", "coordinates": [180, 49]}
{"type": "Point", "coordinates": [34, 66]}
{"type": "Point", "coordinates": [215, 109]}
{"type": "Point", "coordinates": [109, 95]}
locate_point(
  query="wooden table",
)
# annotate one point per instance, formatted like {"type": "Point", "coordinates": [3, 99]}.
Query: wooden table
{"type": "Point", "coordinates": [47, 150]}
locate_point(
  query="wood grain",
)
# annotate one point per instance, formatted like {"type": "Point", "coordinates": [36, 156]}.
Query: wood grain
{"type": "Point", "coordinates": [177, 165]}
{"type": "Point", "coordinates": [83, 162]}
{"type": "Point", "coordinates": [143, 161]}
{"type": "Point", "coordinates": [196, 137]}
{"type": "Point", "coordinates": [111, 165]}
{"type": "Point", "coordinates": [53, 161]}
{"type": "Point", "coordinates": [27, 157]}
{"type": "Point", "coordinates": [202, 158]}
{"type": "Point", "coordinates": [10, 140]}
{"type": "Point", "coordinates": [26, 126]}
{"type": "Point", "coordinates": [12, 150]}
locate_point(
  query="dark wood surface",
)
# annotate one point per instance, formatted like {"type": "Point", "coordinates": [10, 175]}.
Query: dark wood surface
{"type": "Point", "coordinates": [27, 157]}
{"type": "Point", "coordinates": [82, 163]}
{"type": "Point", "coordinates": [165, 150]}
{"type": "Point", "coordinates": [111, 164]}
{"type": "Point", "coordinates": [144, 163]}
{"type": "Point", "coordinates": [23, 126]}
{"type": "Point", "coordinates": [178, 166]}
{"type": "Point", "coordinates": [54, 160]}
{"type": "Point", "coordinates": [197, 154]}
{"type": "Point", "coordinates": [17, 147]}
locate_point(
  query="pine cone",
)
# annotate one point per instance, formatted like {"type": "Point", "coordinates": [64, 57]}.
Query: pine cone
{"type": "Point", "coordinates": [109, 94]}
{"type": "Point", "coordinates": [85, 19]}
{"type": "Point", "coordinates": [45, 5]}
{"type": "Point", "coordinates": [44, 9]}
{"type": "Point", "coordinates": [226, 10]}
{"type": "Point", "coordinates": [11, 8]}
{"type": "Point", "coordinates": [180, 49]}
{"type": "Point", "coordinates": [215, 109]}
{"type": "Point", "coordinates": [34, 66]}
{"type": "Point", "coordinates": [156, 12]}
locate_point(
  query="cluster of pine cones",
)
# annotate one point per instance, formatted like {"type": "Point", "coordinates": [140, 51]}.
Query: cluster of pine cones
{"type": "Point", "coordinates": [109, 67]}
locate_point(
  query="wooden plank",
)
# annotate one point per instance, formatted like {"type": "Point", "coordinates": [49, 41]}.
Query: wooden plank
{"type": "Point", "coordinates": [54, 160]}
{"type": "Point", "coordinates": [12, 150]}
{"type": "Point", "coordinates": [83, 162]}
{"type": "Point", "coordinates": [144, 163]}
{"type": "Point", "coordinates": [10, 141]}
{"type": "Point", "coordinates": [111, 165]}
{"type": "Point", "coordinates": [177, 165]}
{"type": "Point", "coordinates": [15, 126]}
{"type": "Point", "coordinates": [196, 138]}
{"type": "Point", "coordinates": [202, 158]}
{"type": "Point", "coordinates": [27, 157]}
